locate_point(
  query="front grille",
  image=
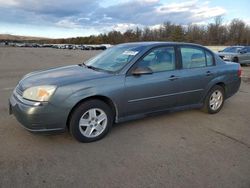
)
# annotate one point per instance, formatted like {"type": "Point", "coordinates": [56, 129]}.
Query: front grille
{"type": "Point", "coordinates": [19, 90]}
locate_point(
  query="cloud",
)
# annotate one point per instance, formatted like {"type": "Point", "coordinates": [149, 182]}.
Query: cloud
{"type": "Point", "coordinates": [53, 7]}
{"type": "Point", "coordinates": [68, 23]}
{"type": "Point", "coordinates": [122, 27]}
{"type": "Point", "coordinates": [85, 14]}
{"type": "Point", "coordinates": [8, 3]}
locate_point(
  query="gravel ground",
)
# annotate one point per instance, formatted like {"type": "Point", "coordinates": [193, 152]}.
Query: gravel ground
{"type": "Point", "coordinates": [182, 149]}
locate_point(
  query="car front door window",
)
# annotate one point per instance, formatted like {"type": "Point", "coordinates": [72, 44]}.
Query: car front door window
{"type": "Point", "coordinates": [159, 59]}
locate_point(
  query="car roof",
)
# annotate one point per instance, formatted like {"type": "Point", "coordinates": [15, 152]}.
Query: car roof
{"type": "Point", "coordinates": [152, 44]}
{"type": "Point", "coordinates": [236, 46]}
{"type": "Point", "coordinates": [157, 43]}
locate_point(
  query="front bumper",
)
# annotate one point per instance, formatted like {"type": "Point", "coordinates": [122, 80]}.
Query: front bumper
{"type": "Point", "coordinates": [36, 116]}
{"type": "Point", "coordinates": [226, 58]}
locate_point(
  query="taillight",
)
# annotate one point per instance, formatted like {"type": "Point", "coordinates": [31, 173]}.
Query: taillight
{"type": "Point", "coordinates": [239, 71]}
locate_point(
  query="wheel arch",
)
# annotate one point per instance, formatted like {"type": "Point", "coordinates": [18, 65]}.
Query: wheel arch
{"type": "Point", "coordinates": [219, 83]}
{"type": "Point", "coordinates": [236, 59]}
{"type": "Point", "coordinates": [102, 98]}
{"type": "Point", "coordinates": [222, 84]}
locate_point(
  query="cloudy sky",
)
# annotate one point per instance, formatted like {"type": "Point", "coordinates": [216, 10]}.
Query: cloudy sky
{"type": "Point", "coordinates": [70, 18]}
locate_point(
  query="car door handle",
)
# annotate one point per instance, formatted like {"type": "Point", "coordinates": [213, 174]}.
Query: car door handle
{"type": "Point", "coordinates": [209, 73]}
{"type": "Point", "coordinates": [173, 77]}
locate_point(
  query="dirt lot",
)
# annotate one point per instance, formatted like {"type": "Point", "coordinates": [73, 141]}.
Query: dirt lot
{"type": "Point", "coordinates": [183, 149]}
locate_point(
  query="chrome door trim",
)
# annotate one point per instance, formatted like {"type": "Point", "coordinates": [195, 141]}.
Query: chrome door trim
{"type": "Point", "coordinates": [160, 96]}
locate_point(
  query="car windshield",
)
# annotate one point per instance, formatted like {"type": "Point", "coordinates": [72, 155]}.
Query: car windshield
{"type": "Point", "coordinates": [232, 49]}
{"type": "Point", "coordinates": [115, 58]}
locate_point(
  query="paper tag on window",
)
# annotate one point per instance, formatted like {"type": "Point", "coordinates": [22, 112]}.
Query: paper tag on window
{"type": "Point", "coordinates": [127, 52]}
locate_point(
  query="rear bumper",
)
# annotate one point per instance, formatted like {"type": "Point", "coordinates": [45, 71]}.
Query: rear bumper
{"type": "Point", "coordinates": [37, 117]}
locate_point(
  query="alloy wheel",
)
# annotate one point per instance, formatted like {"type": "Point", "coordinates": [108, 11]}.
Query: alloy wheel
{"type": "Point", "coordinates": [216, 100]}
{"type": "Point", "coordinates": [93, 122]}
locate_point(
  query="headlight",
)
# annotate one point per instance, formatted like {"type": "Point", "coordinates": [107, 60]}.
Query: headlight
{"type": "Point", "coordinates": [227, 57]}
{"type": "Point", "coordinates": [39, 93]}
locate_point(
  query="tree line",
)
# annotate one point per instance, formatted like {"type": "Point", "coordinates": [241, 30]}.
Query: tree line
{"type": "Point", "coordinates": [237, 32]}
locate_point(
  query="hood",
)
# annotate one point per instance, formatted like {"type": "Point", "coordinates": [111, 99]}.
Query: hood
{"type": "Point", "coordinates": [226, 53]}
{"type": "Point", "coordinates": [60, 76]}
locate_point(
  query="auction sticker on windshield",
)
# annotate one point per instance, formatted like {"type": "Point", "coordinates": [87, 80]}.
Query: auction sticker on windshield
{"type": "Point", "coordinates": [129, 52]}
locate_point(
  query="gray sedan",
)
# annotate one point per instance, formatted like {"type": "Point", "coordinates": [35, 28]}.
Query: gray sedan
{"type": "Point", "coordinates": [238, 54]}
{"type": "Point", "coordinates": [125, 82]}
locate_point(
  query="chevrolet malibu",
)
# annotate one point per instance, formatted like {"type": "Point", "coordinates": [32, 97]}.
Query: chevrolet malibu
{"type": "Point", "coordinates": [125, 82]}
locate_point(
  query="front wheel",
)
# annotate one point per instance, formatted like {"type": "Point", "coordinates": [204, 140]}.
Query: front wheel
{"type": "Point", "coordinates": [236, 60]}
{"type": "Point", "coordinates": [91, 121]}
{"type": "Point", "coordinates": [214, 100]}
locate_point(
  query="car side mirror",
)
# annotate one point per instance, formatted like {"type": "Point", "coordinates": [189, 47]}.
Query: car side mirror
{"type": "Point", "coordinates": [141, 70]}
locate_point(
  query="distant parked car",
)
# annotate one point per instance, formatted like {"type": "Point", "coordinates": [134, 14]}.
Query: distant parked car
{"type": "Point", "coordinates": [87, 47]}
{"type": "Point", "coordinates": [36, 45]}
{"type": "Point", "coordinates": [47, 46]}
{"type": "Point", "coordinates": [124, 82]}
{"type": "Point", "coordinates": [100, 47]}
{"type": "Point", "coordinates": [238, 54]}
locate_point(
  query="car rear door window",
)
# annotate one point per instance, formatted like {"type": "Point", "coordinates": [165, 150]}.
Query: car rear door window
{"type": "Point", "coordinates": [192, 57]}
{"type": "Point", "coordinates": [159, 59]}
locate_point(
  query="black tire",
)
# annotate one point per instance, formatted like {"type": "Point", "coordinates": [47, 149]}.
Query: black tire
{"type": "Point", "coordinates": [80, 111]}
{"type": "Point", "coordinates": [236, 60]}
{"type": "Point", "coordinates": [209, 108]}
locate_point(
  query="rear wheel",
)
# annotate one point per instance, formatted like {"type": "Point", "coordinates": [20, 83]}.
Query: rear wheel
{"type": "Point", "coordinates": [214, 100]}
{"type": "Point", "coordinates": [91, 121]}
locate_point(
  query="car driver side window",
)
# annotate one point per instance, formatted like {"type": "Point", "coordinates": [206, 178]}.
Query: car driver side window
{"type": "Point", "coordinates": [159, 59]}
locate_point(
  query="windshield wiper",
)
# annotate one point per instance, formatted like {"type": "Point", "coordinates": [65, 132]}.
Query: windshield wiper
{"type": "Point", "coordinates": [95, 68]}
{"type": "Point", "coordinates": [91, 67]}
{"type": "Point", "coordinates": [83, 64]}
{"type": "Point", "coordinates": [88, 66]}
